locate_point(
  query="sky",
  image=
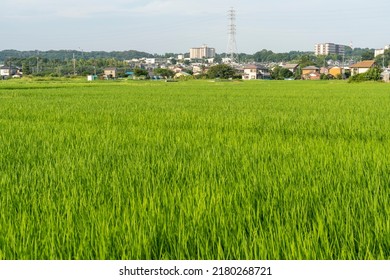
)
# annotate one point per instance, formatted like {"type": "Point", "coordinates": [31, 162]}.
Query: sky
{"type": "Point", "coordinates": [175, 26]}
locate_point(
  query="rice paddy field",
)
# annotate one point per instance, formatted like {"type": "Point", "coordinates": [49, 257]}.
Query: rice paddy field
{"type": "Point", "coordinates": [197, 170]}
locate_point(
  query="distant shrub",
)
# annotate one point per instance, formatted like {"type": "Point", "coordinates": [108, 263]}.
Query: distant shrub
{"type": "Point", "coordinates": [324, 77]}
{"type": "Point", "coordinates": [186, 78]}
{"type": "Point", "coordinates": [280, 73]}
{"type": "Point", "coordinates": [237, 76]}
{"type": "Point", "coordinates": [374, 74]}
{"type": "Point", "coordinates": [222, 71]}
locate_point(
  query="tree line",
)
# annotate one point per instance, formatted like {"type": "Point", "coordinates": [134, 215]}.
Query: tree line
{"type": "Point", "coordinates": [63, 55]}
{"type": "Point", "coordinates": [65, 62]}
{"type": "Point", "coordinates": [260, 56]}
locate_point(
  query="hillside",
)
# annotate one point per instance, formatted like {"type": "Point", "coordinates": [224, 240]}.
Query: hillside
{"type": "Point", "coordinates": [68, 54]}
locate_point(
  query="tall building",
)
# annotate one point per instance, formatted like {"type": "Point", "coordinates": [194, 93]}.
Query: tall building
{"type": "Point", "coordinates": [381, 51]}
{"type": "Point", "coordinates": [202, 52]}
{"type": "Point", "coordinates": [329, 48]}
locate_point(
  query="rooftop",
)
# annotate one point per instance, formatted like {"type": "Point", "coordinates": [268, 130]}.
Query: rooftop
{"type": "Point", "coordinates": [364, 64]}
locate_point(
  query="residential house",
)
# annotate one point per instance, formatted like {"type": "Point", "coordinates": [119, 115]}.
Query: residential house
{"type": "Point", "coordinates": [362, 67]}
{"type": "Point", "coordinates": [150, 61]}
{"type": "Point", "coordinates": [255, 72]}
{"type": "Point", "coordinates": [198, 68]}
{"type": "Point", "coordinates": [324, 70]}
{"type": "Point", "coordinates": [111, 72]}
{"type": "Point", "coordinates": [176, 69]}
{"type": "Point", "coordinates": [336, 71]}
{"type": "Point", "coordinates": [7, 71]}
{"type": "Point", "coordinates": [210, 60]}
{"type": "Point", "coordinates": [291, 67]}
{"type": "Point", "coordinates": [310, 69]}
{"type": "Point", "coordinates": [311, 73]}
{"type": "Point", "coordinates": [250, 72]}
{"type": "Point", "coordinates": [332, 63]}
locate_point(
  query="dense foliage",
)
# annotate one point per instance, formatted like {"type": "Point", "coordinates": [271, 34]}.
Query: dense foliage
{"type": "Point", "coordinates": [37, 66]}
{"type": "Point", "coordinates": [269, 56]}
{"type": "Point", "coordinates": [138, 72]}
{"type": "Point", "coordinates": [280, 73]}
{"type": "Point", "coordinates": [264, 56]}
{"type": "Point", "coordinates": [166, 73]}
{"type": "Point", "coordinates": [373, 74]}
{"type": "Point", "coordinates": [61, 55]}
{"type": "Point", "coordinates": [383, 60]}
{"type": "Point", "coordinates": [221, 71]}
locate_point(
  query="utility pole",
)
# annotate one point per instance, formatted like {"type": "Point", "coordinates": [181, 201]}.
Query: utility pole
{"type": "Point", "coordinates": [37, 62]}
{"type": "Point", "coordinates": [74, 65]}
{"type": "Point", "coordinates": [383, 60]}
{"type": "Point", "coordinates": [10, 68]}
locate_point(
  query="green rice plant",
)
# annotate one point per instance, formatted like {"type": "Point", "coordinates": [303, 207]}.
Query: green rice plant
{"type": "Point", "coordinates": [194, 170]}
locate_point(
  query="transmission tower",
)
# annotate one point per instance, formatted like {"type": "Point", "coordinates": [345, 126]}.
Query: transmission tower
{"type": "Point", "coordinates": [232, 45]}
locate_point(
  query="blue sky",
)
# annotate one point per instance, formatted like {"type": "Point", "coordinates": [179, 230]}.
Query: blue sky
{"type": "Point", "coordinates": [160, 26]}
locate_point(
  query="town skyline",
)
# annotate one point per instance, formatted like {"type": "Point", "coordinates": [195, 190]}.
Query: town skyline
{"type": "Point", "coordinates": [176, 26]}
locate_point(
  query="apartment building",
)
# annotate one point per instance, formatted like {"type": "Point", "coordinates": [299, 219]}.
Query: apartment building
{"type": "Point", "coordinates": [202, 52]}
{"type": "Point", "coordinates": [381, 51]}
{"type": "Point", "coordinates": [329, 48]}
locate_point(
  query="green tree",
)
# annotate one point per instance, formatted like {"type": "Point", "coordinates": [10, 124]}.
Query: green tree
{"type": "Point", "coordinates": [384, 59]}
{"type": "Point", "coordinates": [368, 55]}
{"type": "Point", "coordinates": [280, 73]}
{"type": "Point", "coordinates": [222, 71]}
{"type": "Point", "coordinates": [218, 59]}
{"type": "Point", "coordinates": [374, 74]}
{"type": "Point", "coordinates": [26, 68]}
{"type": "Point", "coordinates": [168, 55]}
{"type": "Point", "coordinates": [263, 56]}
{"type": "Point", "coordinates": [298, 73]}
{"type": "Point", "coordinates": [166, 73]}
{"type": "Point", "coordinates": [324, 77]}
{"type": "Point", "coordinates": [307, 60]}
{"type": "Point", "coordinates": [321, 61]}
{"type": "Point", "coordinates": [138, 72]}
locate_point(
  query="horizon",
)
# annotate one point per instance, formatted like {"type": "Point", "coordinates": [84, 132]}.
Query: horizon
{"type": "Point", "coordinates": [159, 54]}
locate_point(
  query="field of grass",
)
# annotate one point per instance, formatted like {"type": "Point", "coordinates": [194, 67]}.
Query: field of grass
{"type": "Point", "coordinates": [194, 170]}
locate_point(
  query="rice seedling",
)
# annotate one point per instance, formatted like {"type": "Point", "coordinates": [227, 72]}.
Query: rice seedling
{"type": "Point", "coordinates": [194, 170]}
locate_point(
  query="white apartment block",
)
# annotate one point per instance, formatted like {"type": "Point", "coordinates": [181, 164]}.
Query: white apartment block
{"type": "Point", "coordinates": [381, 51]}
{"type": "Point", "coordinates": [329, 48]}
{"type": "Point", "coordinates": [202, 52]}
